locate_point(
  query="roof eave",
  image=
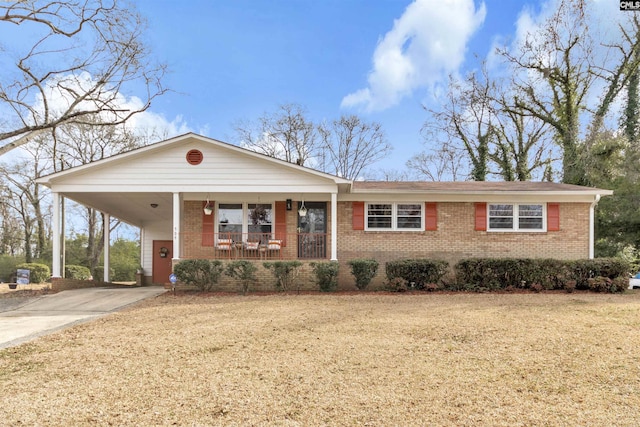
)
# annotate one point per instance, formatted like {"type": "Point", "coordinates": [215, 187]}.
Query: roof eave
{"type": "Point", "coordinates": [590, 192]}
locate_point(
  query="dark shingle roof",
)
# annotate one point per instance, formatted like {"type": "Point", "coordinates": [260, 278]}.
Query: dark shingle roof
{"type": "Point", "coordinates": [468, 187]}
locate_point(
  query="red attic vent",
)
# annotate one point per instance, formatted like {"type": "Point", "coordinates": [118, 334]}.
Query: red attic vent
{"type": "Point", "coordinates": [194, 157]}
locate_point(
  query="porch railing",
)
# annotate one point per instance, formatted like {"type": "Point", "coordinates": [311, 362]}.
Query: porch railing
{"type": "Point", "coordinates": [254, 246]}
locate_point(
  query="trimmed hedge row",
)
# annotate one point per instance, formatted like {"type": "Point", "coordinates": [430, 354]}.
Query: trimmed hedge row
{"type": "Point", "coordinates": [415, 273]}
{"type": "Point", "coordinates": [486, 274]}
{"type": "Point", "coordinates": [474, 274]}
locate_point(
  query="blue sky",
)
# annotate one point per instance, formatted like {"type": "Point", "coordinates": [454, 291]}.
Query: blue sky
{"type": "Point", "coordinates": [381, 59]}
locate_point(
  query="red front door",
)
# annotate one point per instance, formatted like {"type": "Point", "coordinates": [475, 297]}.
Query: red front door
{"type": "Point", "coordinates": [162, 254]}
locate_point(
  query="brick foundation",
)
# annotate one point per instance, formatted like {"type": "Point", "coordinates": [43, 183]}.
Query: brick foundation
{"type": "Point", "coordinates": [63, 284]}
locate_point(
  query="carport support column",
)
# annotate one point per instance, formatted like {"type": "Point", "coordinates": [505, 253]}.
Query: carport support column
{"type": "Point", "coordinates": [592, 231]}
{"type": "Point", "coordinates": [55, 230]}
{"type": "Point", "coordinates": [334, 226]}
{"type": "Point", "coordinates": [176, 226]}
{"type": "Point", "coordinates": [106, 232]}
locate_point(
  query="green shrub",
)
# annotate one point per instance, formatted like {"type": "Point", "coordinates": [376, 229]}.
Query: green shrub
{"type": "Point", "coordinates": [482, 274]}
{"type": "Point", "coordinates": [619, 284]}
{"type": "Point", "coordinates": [605, 284]}
{"type": "Point", "coordinates": [39, 272]}
{"type": "Point", "coordinates": [201, 273]}
{"type": "Point", "coordinates": [8, 265]}
{"type": "Point", "coordinates": [98, 273]}
{"type": "Point", "coordinates": [326, 275]}
{"type": "Point", "coordinates": [285, 273]}
{"type": "Point", "coordinates": [243, 271]}
{"type": "Point", "coordinates": [79, 272]}
{"type": "Point", "coordinates": [364, 270]}
{"type": "Point", "coordinates": [417, 272]}
{"type": "Point", "coordinates": [585, 269]}
{"type": "Point", "coordinates": [397, 284]}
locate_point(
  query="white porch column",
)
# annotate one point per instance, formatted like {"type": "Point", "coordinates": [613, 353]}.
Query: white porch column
{"type": "Point", "coordinates": [106, 232]}
{"type": "Point", "coordinates": [176, 226]}
{"type": "Point", "coordinates": [55, 230]}
{"type": "Point", "coordinates": [592, 231]}
{"type": "Point", "coordinates": [142, 240]}
{"type": "Point", "coordinates": [334, 226]}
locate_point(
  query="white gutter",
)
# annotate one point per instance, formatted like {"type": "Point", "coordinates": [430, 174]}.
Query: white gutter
{"type": "Point", "coordinates": [592, 232]}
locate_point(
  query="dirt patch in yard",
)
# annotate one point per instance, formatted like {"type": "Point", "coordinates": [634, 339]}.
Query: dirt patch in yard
{"type": "Point", "coordinates": [371, 359]}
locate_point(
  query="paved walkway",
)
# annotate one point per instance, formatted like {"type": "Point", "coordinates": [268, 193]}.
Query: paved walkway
{"type": "Point", "coordinates": [48, 313]}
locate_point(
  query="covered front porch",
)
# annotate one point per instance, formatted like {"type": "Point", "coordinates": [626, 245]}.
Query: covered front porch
{"type": "Point", "coordinates": [175, 226]}
{"type": "Point", "coordinates": [196, 197]}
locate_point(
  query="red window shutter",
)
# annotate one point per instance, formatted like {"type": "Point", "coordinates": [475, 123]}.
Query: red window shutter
{"type": "Point", "coordinates": [553, 217]}
{"type": "Point", "coordinates": [481, 216]}
{"type": "Point", "coordinates": [358, 215]}
{"type": "Point", "coordinates": [281, 222]}
{"type": "Point", "coordinates": [430, 216]}
{"type": "Point", "coordinates": [207, 226]}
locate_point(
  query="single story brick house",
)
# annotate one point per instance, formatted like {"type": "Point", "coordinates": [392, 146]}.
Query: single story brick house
{"type": "Point", "coordinates": [196, 197]}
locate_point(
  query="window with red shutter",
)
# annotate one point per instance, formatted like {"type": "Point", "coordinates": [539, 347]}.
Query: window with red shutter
{"type": "Point", "coordinates": [358, 215]}
{"type": "Point", "coordinates": [281, 222]}
{"type": "Point", "coordinates": [553, 217]}
{"type": "Point", "coordinates": [431, 216]}
{"type": "Point", "coordinates": [481, 217]}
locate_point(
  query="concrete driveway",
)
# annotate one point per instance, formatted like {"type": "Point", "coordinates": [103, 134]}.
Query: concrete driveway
{"type": "Point", "coordinates": [48, 313]}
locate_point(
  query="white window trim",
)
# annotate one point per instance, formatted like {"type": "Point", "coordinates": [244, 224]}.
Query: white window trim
{"type": "Point", "coordinates": [516, 212]}
{"type": "Point", "coordinates": [394, 217]}
{"type": "Point", "coordinates": [245, 220]}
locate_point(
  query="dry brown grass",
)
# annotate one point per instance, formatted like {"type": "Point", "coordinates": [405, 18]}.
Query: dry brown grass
{"type": "Point", "coordinates": [373, 359]}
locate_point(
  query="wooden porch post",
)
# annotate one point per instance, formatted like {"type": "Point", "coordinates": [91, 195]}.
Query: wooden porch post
{"type": "Point", "coordinates": [592, 226]}
{"type": "Point", "coordinates": [334, 226]}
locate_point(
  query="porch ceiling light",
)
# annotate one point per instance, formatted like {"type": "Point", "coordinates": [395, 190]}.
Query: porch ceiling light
{"type": "Point", "coordinates": [303, 210]}
{"type": "Point", "coordinates": [208, 208]}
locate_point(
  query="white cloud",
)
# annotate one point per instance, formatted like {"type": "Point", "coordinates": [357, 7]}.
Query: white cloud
{"type": "Point", "coordinates": [426, 44]}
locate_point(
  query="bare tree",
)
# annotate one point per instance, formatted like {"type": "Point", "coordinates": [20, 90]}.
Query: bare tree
{"type": "Point", "coordinates": [352, 145]}
{"type": "Point", "coordinates": [477, 122]}
{"type": "Point", "coordinates": [442, 164]}
{"type": "Point", "coordinates": [25, 197]}
{"type": "Point", "coordinates": [522, 145]}
{"type": "Point", "coordinates": [286, 134]}
{"type": "Point", "coordinates": [558, 69]}
{"type": "Point", "coordinates": [388, 175]}
{"type": "Point", "coordinates": [466, 117]}
{"type": "Point", "coordinates": [78, 144]}
{"type": "Point", "coordinates": [10, 239]}
{"type": "Point", "coordinates": [74, 60]}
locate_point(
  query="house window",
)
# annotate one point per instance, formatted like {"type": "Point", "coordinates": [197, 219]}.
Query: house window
{"type": "Point", "coordinates": [259, 220]}
{"type": "Point", "coordinates": [380, 216]}
{"type": "Point", "coordinates": [230, 221]}
{"type": "Point", "coordinates": [394, 216]}
{"type": "Point", "coordinates": [245, 221]}
{"type": "Point", "coordinates": [516, 217]}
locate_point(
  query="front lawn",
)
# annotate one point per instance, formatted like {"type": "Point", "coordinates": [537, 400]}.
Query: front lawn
{"type": "Point", "coordinates": [371, 359]}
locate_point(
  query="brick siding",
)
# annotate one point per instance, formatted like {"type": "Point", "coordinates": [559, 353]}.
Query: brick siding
{"type": "Point", "coordinates": [454, 239]}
